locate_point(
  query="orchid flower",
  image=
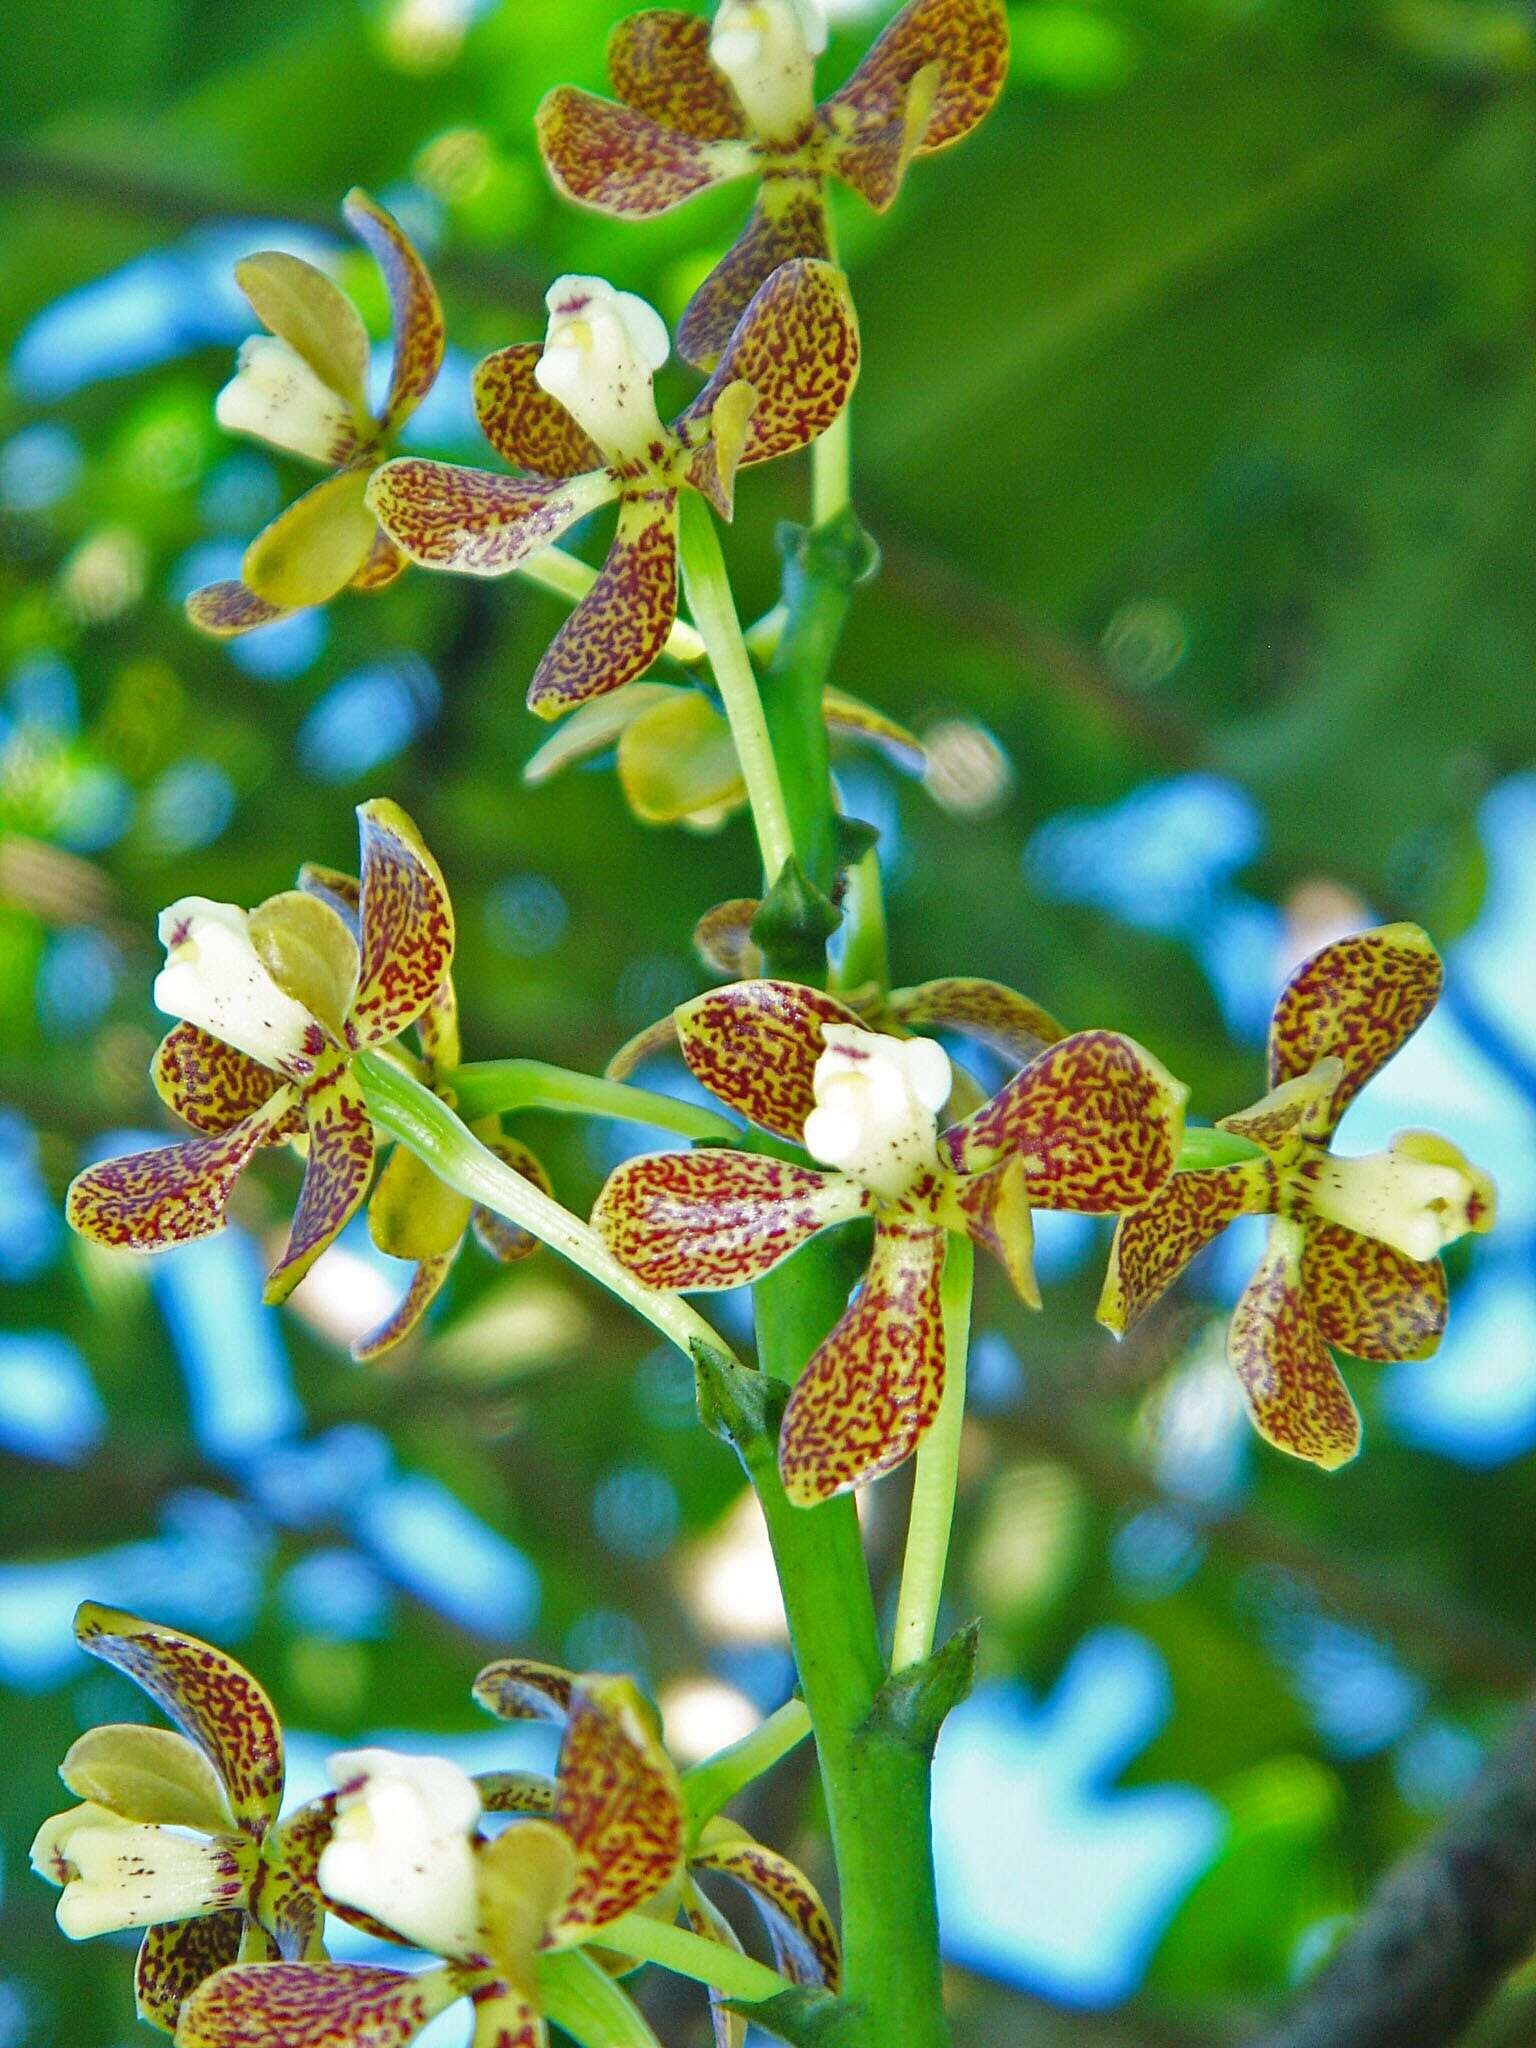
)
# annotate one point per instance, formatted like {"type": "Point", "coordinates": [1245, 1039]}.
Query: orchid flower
{"type": "Point", "coordinates": [303, 388]}
{"type": "Point", "coordinates": [274, 1005]}
{"type": "Point", "coordinates": [799, 1928]}
{"type": "Point", "coordinates": [177, 1833]}
{"type": "Point", "coordinates": [1351, 1259]}
{"type": "Point", "coordinates": [676, 759]}
{"type": "Point", "coordinates": [412, 1214]}
{"type": "Point", "coordinates": [704, 102]}
{"type": "Point", "coordinates": [404, 1857]}
{"type": "Point", "coordinates": [580, 414]}
{"type": "Point", "coordinates": [1092, 1124]}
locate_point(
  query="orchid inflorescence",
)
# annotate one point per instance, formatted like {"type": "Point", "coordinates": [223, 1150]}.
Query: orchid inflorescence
{"type": "Point", "coordinates": [327, 1019]}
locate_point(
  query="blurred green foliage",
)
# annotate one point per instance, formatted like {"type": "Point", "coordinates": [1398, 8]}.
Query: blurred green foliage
{"type": "Point", "coordinates": [1198, 428]}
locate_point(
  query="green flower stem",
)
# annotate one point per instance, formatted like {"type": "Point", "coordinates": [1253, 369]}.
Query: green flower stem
{"type": "Point", "coordinates": [411, 1113]}
{"type": "Point", "coordinates": [866, 955]}
{"type": "Point", "coordinates": [691, 1955]}
{"type": "Point", "coordinates": [938, 1462]}
{"type": "Point", "coordinates": [580, 1996]}
{"type": "Point", "coordinates": [710, 600]}
{"type": "Point", "coordinates": [566, 575]}
{"type": "Point", "coordinates": [715, 1782]}
{"type": "Point", "coordinates": [1204, 1148]}
{"type": "Point", "coordinates": [877, 1792]}
{"type": "Point", "coordinates": [489, 1087]}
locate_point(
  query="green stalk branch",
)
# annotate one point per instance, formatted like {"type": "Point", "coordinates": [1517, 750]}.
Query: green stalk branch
{"type": "Point", "coordinates": [715, 1782]}
{"type": "Point", "coordinates": [580, 1997]}
{"type": "Point", "coordinates": [493, 1087]}
{"type": "Point", "coordinates": [416, 1117]}
{"type": "Point", "coordinates": [938, 1466]}
{"type": "Point", "coordinates": [709, 599]}
{"type": "Point", "coordinates": [690, 1955]}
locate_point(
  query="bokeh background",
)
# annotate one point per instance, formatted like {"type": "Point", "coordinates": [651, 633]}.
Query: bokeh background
{"type": "Point", "coordinates": [1199, 431]}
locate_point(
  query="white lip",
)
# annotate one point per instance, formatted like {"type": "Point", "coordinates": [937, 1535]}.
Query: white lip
{"type": "Point", "coordinates": [601, 352]}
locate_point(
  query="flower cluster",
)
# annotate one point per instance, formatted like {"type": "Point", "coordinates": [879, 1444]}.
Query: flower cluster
{"type": "Point", "coordinates": [1352, 1255]}
{"type": "Point", "coordinates": [1091, 1124]}
{"type": "Point", "coordinates": [303, 387]}
{"type": "Point", "coordinates": [702, 103]}
{"type": "Point", "coordinates": [492, 1875]}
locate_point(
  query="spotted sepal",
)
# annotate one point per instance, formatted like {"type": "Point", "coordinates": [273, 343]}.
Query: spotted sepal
{"type": "Point", "coordinates": [426, 1283]}
{"type": "Point", "coordinates": [850, 718]}
{"type": "Point", "coordinates": [473, 521]}
{"type": "Point", "coordinates": [617, 160]}
{"type": "Point", "coordinates": [382, 564]}
{"type": "Point", "coordinates": [797, 346]}
{"type": "Point", "coordinates": [994, 1207]}
{"type": "Point", "coordinates": [1369, 1299]}
{"type": "Point", "coordinates": [497, 1238]}
{"type": "Point", "coordinates": [660, 65]}
{"type": "Point", "coordinates": [337, 1172]}
{"type": "Point", "coordinates": [873, 1387]}
{"type": "Point", "coordinates": [620, 1803]}
{"type": "Point", "coordinates": [406, 926]}
{"type": "Point", "coordinates": [521, 420]}
{"type": "Point", "coordinates": [416, 315]}
{"type": "Point", "coordinates": [1096, 1119]}
{"type": "Point", "coordinates": [967, 40]}
{"type": "Point", "coordinates": [174, 1959]}
{"type": "Point", "coordinates": [755, 1045]}
{"type": "Point", "coordinates": [714, 1219]}
{"type": "Point", "coordinates": [211, 1086]}
{"type": "Point", "coordinates": [624, 621]}
{"type": "Point", "coordinates": [706, 1920]}
{"type": "Point", "coordinates": [1152, 1245]}
{"type": "Point", "coordinates": [314, 2005]}
{"type": "Point", "coordinates": [1357, 1001]}
{"type": "Point", "coordinates": [788, 223]}
{"type": "Point", "coordinates": [213, 1700]}
{"type": "Point", "coordinates": [805, 1947]}
{"type": "Point", "coordinates": [1293, 1388]}
{"type": "Point", "coordinates": [1299, 1108]}
{"type": "Point", "coordinates": [520, 1689]}
{"type": "Point", "coordinates": [997, 1017]}
{"type": "Point", "coordinates": [150, 1201]}
{"type": "Point", "coordinates": [230, 608]}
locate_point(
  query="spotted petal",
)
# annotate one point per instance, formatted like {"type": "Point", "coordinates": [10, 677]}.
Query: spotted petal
{"type": "Point", "coordinates": [475, 522]}
{"type": "Point", "coordinates": [301, 305]}
{"type": "Point", "coordinates": [230, 608]}
{"type": "Point", "coordinates": [336, 1174]}
{"type": "Point", "coordinates": [528, 1792]}
{"type": "Point", "coordinates": [520, 1689]}
{"type": "Point", "coordinates": [1289, 1380]}
{"type": "Point", "coordinates": [624, 621]}
{"type": "Point", "coordinates": [316, 546]}
{"type": "Point", "coordinates": [619, 161]}
{"type": "Point", "coordinates": [788, 222]}
{"type": "Point", "coordinates": [1297, 1109]}
{"type": "Point", "coordinates": [997, 1017]}
{"type": "Point", "coordinates": [755, 1045]}
{"type": "Point", "coordinates": [1358, 1001]}
{"type": "Point", "coordinates": [1370, 1300]}
{"type": "Point", "coordinates": [799, 1926]}
{"type": "Point", "coordinates": [149, 1201]}
{"type": "Point", "coordinates": [712, 1219]}
{"type": "Point", "coordinates": [797, 346]}
{"type": "Point", "coordinates": [621, 1804]}
{"type": "Point", "coordinates": [416, 315]}
{"type": "Point", "coordinates": [213, 1700]}
{"type": "Point", "coordinates": [523, 422]}
{"type": "Point", "coordinates": [178, 1956]}
{"type": "Point", "coordinates": [406, 926]}
{"type": "Point", "coordinates": [211, 1086]}
{"type": "Point", "coordinates": [995, 1210]}
{"type": "Point", "coordinates": [1153, 1245]}
{"type": "Point", "coordinates": [660, 65]}
{"type": "Point", "coordinates": [966, 39]}
{"type": "Point", "coordinates": [313, 2005]}
{"type": "Point", "coordinates": [1096, 1118]}
{"type": "Point", "coordinates": [873, 1387]}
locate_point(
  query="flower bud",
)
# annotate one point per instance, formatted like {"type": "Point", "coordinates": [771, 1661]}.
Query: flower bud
{"type": "Point", "coordinates": [1418, 1196]}
{"type": "Point", "coordinates": [402, 1846]}
{"type": "Point", "coordinates": [768, 51]}
{"type": "Point", "coordinates": [877, 1106]}
{"type": "Point", "coordinates": [601, 352]}
{"type": "Point", "coordinates": [276, 397]}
